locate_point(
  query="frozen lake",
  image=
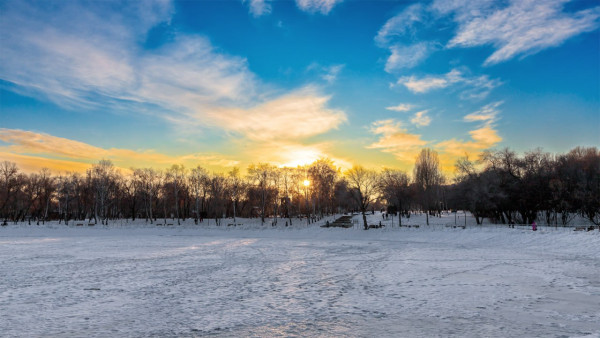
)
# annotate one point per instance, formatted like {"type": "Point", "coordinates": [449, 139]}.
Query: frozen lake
{"type": "Point", "coordinates": [185, 281]}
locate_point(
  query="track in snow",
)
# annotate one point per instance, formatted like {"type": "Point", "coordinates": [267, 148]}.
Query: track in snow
{"type": "Point", "coordinates": [238, 283]}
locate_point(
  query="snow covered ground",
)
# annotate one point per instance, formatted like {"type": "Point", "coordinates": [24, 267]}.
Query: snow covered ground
{"type": "Point", "coordinates": [143, 280]}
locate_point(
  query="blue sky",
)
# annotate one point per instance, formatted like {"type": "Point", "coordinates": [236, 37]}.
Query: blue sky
{"type": "Point", "coordinates": [228, 83]}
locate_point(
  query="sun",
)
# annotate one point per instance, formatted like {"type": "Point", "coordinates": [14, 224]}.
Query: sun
{"type": "Point", "coordinates": [300, 157]}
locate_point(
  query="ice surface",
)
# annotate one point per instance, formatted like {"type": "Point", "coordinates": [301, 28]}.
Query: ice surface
{"type": "Point", "coordinates": [142, 280]}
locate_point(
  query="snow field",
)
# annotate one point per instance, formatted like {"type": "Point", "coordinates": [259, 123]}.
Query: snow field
{"type": "Point", "coordinates": [189, 280]}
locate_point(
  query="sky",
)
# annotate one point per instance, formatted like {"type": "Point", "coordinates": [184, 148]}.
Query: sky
{"type": "Point", "coordinates": [228, 83]}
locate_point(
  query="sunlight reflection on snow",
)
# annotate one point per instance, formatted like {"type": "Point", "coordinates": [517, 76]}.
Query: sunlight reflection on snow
{"type": "Point", "coordinates": [31, 241]}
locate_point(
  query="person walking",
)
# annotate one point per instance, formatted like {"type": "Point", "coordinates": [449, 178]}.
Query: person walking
{"type": "Point", "coordinates": [533, 226]}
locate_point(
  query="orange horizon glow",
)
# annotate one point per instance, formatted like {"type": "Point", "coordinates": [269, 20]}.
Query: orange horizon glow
{"type": "Point", "coordinates": [33, 151]}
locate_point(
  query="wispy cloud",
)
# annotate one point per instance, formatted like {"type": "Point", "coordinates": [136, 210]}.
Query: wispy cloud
{"type": "Point", "coordinates": [69, 54]}
{"type": "Point", "coordinates": [480, 139]}
{"type": "Point", "coordinates": [408, 56]}
{"type": "Point", "coordinates": [332, 73]}
{"type": "Point", "coordinates": [485, 136]}
{"type": "Point", "coordinates": [396, 140]}
{"type": "Point", "coordinates": [80, 60]}
{"type": "Point", "coordinates": [327, 73]}
{"type": "Point", "coordinates": [487, 113]}
{"type": "Point", "coordinates": [393, 36]}
{"type": "Point", "coordinates": [189, 74]}
{"type": "Point", "coordinates": [405, 146]}
{"type": "Point", "coordinates": [474, 87]}
{"type": "Point", "coordinates": [317, 6]}
{"type": "Point", "coordinates": [400, 24]}
{"type": "Point", "coordinates": [478, 87]}
{"type": "Point", "coordinates": [425, 84]}
{"type": "Point", "coordinates": [33, 151]}
{"type": "Point", "coordinates": [34, 163]}
{"type": "Point", "coordinates": [49, 149]}
{"type": "Point", "coordinates": [402, 107]}
{"type": "Point", "coordinates": [259, 7]}
{"type": "Point", "coordinates": [420, 119]}
{"type": "Point", "coordinates": [522, 27]}
{"type": "Point", "coordinates": [22, 141]}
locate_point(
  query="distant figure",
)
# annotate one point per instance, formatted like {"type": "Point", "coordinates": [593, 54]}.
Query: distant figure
{"type": "Point", "coordinates": [533, 226]}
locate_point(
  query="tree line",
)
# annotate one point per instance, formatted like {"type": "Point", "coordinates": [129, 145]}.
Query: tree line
{"type": "Point", "coordinates": [509, 188]}
{"type": "Point", "coordinates": [499, 185]}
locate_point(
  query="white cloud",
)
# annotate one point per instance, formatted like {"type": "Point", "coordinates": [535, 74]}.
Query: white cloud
{"type": "Point", "coordinates": [487, 113]}
{"type": "Point", "coordinates": [188, 75]}
{"type": "Point", "coordinates": [399, 24]}
{"type": "Point", "coordinates": [420, 119]}
{"type": "Point", "coordinates": [332, 73]}
{"type": "Point", "coordinates": [259, 7]}
{"type": "Point", "coordinates": [523, 27]}
{"type": "Point", "coordinates": [296, 115]}
{"type": "Point", "coordinates": [328, 73]}
{"type": "Point", "coordinates": [427, 83]}
{"type": "Point", "coordinates": [478, 87]}
{"type": "Point", "coordinates": [392, 35]}
{"type": "Point", "coordinates": [462, 10]}
{"type": "Point", "coordinates": [402, 107]}
{"type": "Point", "coordinates": [317, 6]}
{"type": "Point", "coordinates": [407, 56]}
{"type": "Point", "coordinates": [474, 87]}
{"type": "Point", "coordinates": [56, 54]}
{"type": "Point", "coordinates": [72, 56]}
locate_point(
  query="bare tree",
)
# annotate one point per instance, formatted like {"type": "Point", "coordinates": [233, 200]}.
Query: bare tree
{"type": "Point", "coordinates": [199, 180]}
{"type": "Point", "coordinates": [31, 191]}
{"type": "Point", "coordinates": [8, 185]}
{"type": "Point", "coordinates": [217, 188]}
{"type": "Point", "coordinates": [323, 175]}
{"type": "Point", "coordinates": [133, 187]}
{"type": "Point", "coordinates": [176, 176]}
{"type": "Point", "coordinates": [275, 178]}
{"type": "Point", "coordinates": [394, 186]}
{"type": "Point", "coordinates": [363, 183]}
{"type": "Point", "coordinates": [65, 194]}
{"type": "Point", "coordinates": [260, 174]}
{"type": "Point", "coordinates": [287, 178]}
{"type": "Point", "coordinates": [47, 192]}
{"type": "Point", "coordinates": [297, 188]}
{"type": "Point", "coordinates": [236, 189]}
{"type": "Point", "coordinates": [104, 177]}
{"type": "Point", "coordinates": [149, 181]}
{"type": "Point", "coordinates": [428, 177]}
